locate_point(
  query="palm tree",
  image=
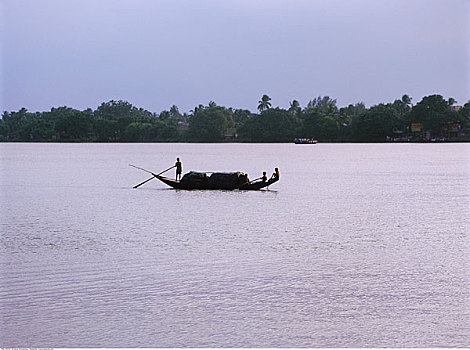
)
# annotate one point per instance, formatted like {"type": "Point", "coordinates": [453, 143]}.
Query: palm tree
{"type": "Point", "coordinates": [451, 101]}
{"type": "Point", "coordinates": [264, 103]}
{"type": "Point", "coordinates": [294, 107]}
{"type": "Point", "coordinates": [406, 100]}
{"type": "Point", "coordinates": [174, 112]}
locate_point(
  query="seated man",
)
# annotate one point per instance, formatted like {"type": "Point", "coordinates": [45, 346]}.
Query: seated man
{"type": "Point", "coordinates": [275, 175]}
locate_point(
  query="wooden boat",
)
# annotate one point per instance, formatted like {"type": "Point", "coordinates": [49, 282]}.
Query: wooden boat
{"type": "Point", "coordinates": [204, 184]}
{"type": "Point", "coordinates": [215, 181]}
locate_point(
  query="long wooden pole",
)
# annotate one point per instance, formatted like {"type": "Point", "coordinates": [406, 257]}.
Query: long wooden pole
{"type": "Point", "coordinates": [164, 171]}
{"type": "Point", "coordinates": [148, 171]}
{"type": "Point", "coordinates": [144, 182]}
{"type": "Point", "coordinates": [251, 181]}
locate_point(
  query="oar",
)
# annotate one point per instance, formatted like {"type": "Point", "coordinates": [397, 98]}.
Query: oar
{"type": "Point", "coordinates": [148, 171]}
{"type": "Point", "coordinates": [251, 181]}
{"type": "Point", "coordinates": [144, 182]}
{"type": "Point", "coordinates": [164, 171]}
{"type": "Point", "coordinates": [153, 177]}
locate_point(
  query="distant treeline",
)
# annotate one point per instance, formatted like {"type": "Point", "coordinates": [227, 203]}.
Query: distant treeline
{"type": "Point", "coordinates": [321, 119]}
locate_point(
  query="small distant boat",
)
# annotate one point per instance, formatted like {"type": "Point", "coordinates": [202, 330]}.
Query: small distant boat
{"type": "Point", "coordinates": [305, 141]}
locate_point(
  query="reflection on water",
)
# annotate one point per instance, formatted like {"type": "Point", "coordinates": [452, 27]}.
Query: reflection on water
{"type": "Point", "coordinates": [357, 245]}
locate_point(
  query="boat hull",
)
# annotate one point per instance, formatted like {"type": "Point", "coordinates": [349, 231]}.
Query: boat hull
{"type": "Point", "coordinates": [195, 186]}
{"type": "Point", "coordinates": [203, 186]}
{"type": "Point", "coordinates": [258, 185]}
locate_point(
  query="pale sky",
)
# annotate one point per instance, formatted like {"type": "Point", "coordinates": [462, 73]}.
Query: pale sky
{"type": "Point", "coordinates": [156, 53]}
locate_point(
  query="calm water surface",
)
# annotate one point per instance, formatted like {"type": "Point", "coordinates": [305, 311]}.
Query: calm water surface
{"type": "Point", "coordinates": [358, 245]}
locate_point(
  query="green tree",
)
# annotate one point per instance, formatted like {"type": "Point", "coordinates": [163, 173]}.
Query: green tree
{"type": "Point", "coordinates": [175, 113]}
{"type": "Point", "coordinates": [133, 132]}
{"type": "Point", "coordinates": [164, 115]}
{"type": "Point", "coordinates": [105, 129]}
{"type": "Point", "coordinates": [294, 107]}
{"type": "Point", "coordinates": [208, 124]}
{"type": "Point", "coordinates": [407, 100]}
{"type": "Point", "coordinates": [26, 126]}
{"type": "Point", "coordinates": [434, 113]}
{"type": "Point", "coordinates": [240, 117]}
{"type": "Point", "coordinates": [264, 103]}
{"type": "Point", "coordinates": [71, 124]}
{"type": "Point", "coordinates": [3, 127]}
{"type": "Point", "coordinates": [352, 110]}
{"type": "Point", "coordinates": [122, 123]}
{"type": "Point", "coordinates": [14, 124]}
{"type": "Point", "coordinates": [165, 131]}
{"type": "Point", "coordinates": [329, 129]}
{"type": "Point", "coordinates": [403, 110]}
{"type": "Point", "coordinates": [346, 115]}
{"type": "Point", "coordinates": [375, 124]}
{"type": "Point", "coordinates": [272, 125]}
{"type": "Point", "coordinates": [325, 105]}
{"type": "Point", "coordinates": [464, 115]}
{"type": "Point", "coordinates": [310, 124]}
{"type": "Point", "coordinates": [121, 114]}
{"type": "Point", "coordinates": [114, 110]}
{"type": "Point", "coordinates": [40, 129]}
{"type": "Point", "coordinates": [318, 126]}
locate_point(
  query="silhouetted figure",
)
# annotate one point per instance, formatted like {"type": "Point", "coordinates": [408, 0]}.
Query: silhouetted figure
{"type": "Point", "coordinates": [179, 169]}
{"type": "Point", "coordinates": [275, 175]}
{"type": "Point", "coordinates": [264, 178]}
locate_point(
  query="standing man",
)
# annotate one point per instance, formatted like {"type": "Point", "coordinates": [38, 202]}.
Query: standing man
{"type": "Point", "coordinates": [179, 169]}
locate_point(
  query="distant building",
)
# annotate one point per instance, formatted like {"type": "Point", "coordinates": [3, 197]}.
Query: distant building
{"type": "Point", "coordinates": [416, 127]}
{"type": "Point", "coordinates": [452, 131]}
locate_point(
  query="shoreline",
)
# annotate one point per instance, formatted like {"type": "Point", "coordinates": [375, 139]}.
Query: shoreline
{"type": "Point", "coordinates": [239, 142]}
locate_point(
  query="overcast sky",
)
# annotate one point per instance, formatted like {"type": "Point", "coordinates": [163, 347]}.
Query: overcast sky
{"type": "Point", "coordinates": [80, 53]}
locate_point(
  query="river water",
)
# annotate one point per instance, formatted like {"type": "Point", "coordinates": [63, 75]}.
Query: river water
{"type": "Point", "coordinates": [357, 245]}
